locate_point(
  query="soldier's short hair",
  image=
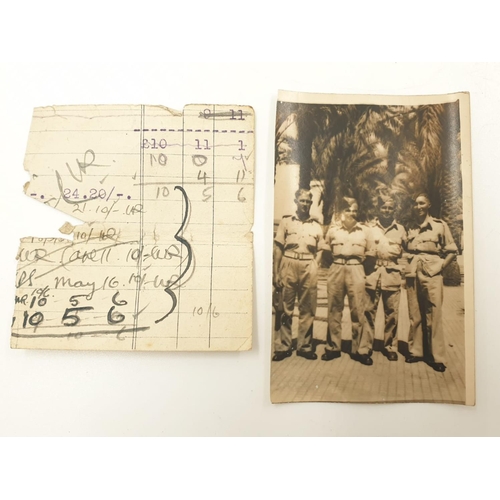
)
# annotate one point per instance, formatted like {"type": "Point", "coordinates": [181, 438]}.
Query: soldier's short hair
{"type": "Point", "coordinates": [346, 202]}
{"type": "Point", "coordinates": [424, 195]}
{"type": "Point", "coordinates": [384, 198]}
{"type": "Point", "coordinates": [302, 191]}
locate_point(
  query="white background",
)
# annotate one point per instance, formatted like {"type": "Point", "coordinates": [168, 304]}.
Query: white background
{"type": "Point", "coordinates": [169, 394]}
{"type": "Point", "coordinates": [151, 394]}
{"type": "Point", "coordinates": [154, 394]}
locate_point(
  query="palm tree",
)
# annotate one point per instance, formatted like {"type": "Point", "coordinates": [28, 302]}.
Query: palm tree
{"type": "Point", "coordinates": [367, 150]}
{"type": "Point", "coordinates": [450, 183]}
{"type": "Point", "coordinates": [450, 178]}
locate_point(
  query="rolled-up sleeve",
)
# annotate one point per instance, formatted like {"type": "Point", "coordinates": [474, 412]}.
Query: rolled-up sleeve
{"type": "Point", "coordinates": [279, 239]}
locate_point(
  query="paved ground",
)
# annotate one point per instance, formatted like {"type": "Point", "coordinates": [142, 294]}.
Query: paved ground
{"type": "Point", "coordinates": [298, 379]}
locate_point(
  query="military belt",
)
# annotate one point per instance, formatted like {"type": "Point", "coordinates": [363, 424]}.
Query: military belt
{"type": "Point", "coordinates": [298, 256]}
{"type": "Point", "coordinates": [385, 263]}
{"type": "Point", "coordinates": [350, 261]}
{"type": "Point", "coordinates": [421, 252]}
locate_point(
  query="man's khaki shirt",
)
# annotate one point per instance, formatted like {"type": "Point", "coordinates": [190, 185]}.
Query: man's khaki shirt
{"type": "Point", "coordinates": [299, 236]}
{"type": "Point", "coordinates": [344, 243]}
{"type": "Point", "coordinates": [429, 243]}
{"type": "Point", "coordinates": [387, 246]}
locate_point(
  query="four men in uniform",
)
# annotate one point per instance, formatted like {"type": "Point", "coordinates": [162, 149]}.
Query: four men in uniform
{"type": "Point", "coordinates": [365, 268]}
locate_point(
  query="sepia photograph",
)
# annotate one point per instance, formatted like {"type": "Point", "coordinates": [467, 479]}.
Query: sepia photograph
{"type": "Point", "coordinates": [372, 254]}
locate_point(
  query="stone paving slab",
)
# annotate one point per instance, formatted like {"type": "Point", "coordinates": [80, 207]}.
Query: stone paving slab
{"type": "Point", "coordinates": [344, 380]}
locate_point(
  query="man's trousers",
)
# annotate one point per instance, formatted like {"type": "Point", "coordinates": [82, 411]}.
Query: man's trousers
{"type": "Point", "coordinates": [425, 301]}
{"type": "Point", "coordinates": [346, 279]}
{"type": "Point", "coordinates": [300, 280]}
{"type": "Point", "coordinates": [390, 301]}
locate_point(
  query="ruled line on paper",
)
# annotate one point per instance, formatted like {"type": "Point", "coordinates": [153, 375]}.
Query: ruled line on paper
{"type": "Point", "coordinates": [143, 242]}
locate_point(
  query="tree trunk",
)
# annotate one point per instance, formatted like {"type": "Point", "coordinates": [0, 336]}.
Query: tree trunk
{"type": "Point", "coordinates": [451, 184]}
{"type": "Point", "coordinates": [306, 134]}
{"type": "Point", "coordinates": [451, 177]}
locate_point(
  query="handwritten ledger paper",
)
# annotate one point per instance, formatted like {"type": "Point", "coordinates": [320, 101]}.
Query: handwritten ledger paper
{"type": "Point", "coordinates": [163, 259]}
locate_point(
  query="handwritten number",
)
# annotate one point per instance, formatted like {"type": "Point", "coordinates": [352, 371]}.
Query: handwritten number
{"type": "Point", "coordinates": [241, 173]}
{"type": "Point", "coordinates": [241, 197]}
{"type": "Point", "coordinates": [36, 319]}
{"type": "Point", "coordinates": [73, 319]}
{"type": "Point", "coordinates": [73, 300]}
{"type": "Point", "coordinates": [118, 302]}
{"type": "Point", "coordinates": [163, 191]}
{"type": "Point", "coordinates": [162, 159]}
{"type": "Point", "coordinates": [41, 295]}
{"type": "Point", "coordinates": [199, 160]}
{"type": "Point", "coordinates": [115, 317]}
{"type": "Point", "coordinates": [203, 178]}
{"type": "Point", "coordinates": [78, 208]}
{"type": "Point", "coordinates": [206, 195]}
{"type": "Point", "coordinates": [198, 311]}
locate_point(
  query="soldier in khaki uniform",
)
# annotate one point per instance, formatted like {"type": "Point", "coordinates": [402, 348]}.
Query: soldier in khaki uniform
{"type": "Point", "coordinates": [431, 248]}
{"type": "Point", "coordinates": [384, 280]}
{"type": "Point", "coordinates": [295, 272]}
{"type": "Point", "coordinates": [348, 240]}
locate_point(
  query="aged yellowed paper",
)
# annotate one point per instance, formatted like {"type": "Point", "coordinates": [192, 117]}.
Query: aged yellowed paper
{"type": "Point", "coordinates": [163, 259]}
